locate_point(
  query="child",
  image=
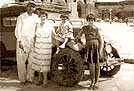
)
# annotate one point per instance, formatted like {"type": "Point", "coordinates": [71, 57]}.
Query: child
{"type": "Point", "coordinates": [94, 48]}
{"type": "Point", "coordinates": [64, 32]}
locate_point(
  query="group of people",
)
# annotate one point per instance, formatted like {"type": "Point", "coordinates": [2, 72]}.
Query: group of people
{"type": "Point", "coordinates": [35, 34]}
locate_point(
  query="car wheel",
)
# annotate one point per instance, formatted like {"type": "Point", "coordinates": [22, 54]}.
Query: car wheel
{"type": "Point", "coordinates": [110, 69]}
{"type": "Point", "coordinates": [67, 67]}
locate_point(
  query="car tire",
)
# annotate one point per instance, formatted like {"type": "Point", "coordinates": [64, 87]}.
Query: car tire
{"type": "Point", "coordinates": [66, 67]}
{"type": "Point", "coordinates": [110, 70]}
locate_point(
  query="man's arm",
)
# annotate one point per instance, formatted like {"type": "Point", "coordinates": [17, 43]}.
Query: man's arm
{"type": "Point", "coordinates": [18, 28]}
{"type": "Point", "coordinates": [18, 32]}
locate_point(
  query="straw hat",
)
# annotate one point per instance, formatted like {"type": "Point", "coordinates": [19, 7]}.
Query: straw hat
{"type": "Point", "coordinates": [31, 3]}
{"type": "Point", "coordinates": [90, 16]}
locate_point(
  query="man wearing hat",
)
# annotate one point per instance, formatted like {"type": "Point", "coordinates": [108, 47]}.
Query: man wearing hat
{"type": "Point", "coordinates": [64, 32]}
{"type": "Point", "coordinates": [24, 32]}
{"type": "Point", "coordinates": [94, 48]}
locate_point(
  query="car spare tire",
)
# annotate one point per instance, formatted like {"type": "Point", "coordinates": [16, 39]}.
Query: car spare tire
{"type": "Point", "coordinates": [67, 67]}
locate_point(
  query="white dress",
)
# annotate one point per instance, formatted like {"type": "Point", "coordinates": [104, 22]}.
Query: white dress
{"type": "Point", "coordinates": [42, 50]}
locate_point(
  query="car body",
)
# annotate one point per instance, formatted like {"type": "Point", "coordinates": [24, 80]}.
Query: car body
{"type": "Point", "coordinates": [8, 19]}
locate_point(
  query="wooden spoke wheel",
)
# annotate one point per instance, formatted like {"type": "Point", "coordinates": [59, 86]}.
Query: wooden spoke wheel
{"type": "Point", "coordinates": [67, 67]}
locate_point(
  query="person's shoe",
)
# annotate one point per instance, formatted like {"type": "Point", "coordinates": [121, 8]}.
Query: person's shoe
{"type": "Point", "coordinates": [95, 86]}
{"type": "Point", "coordinates": [91, 86]}
{"type": "Point", "coordinates": [39, 83]}
{"type": "Point", "coordinates": [22, 83]}
{"type": "Point", "coordinates": [62, 46]}
{"type": "Point", "coordinates": [44, 86]}
{"type": "Point", "coordinates": [57, 51]}
{"type": "Point", "coordinates": [28, 83]}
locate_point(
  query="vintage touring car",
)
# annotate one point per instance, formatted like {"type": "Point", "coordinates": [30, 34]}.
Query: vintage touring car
{"type": "Point", "coordinates": [67, 67]}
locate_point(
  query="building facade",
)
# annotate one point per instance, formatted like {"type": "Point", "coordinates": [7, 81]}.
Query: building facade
{"type": "Point", "coordinates": [121, 9]}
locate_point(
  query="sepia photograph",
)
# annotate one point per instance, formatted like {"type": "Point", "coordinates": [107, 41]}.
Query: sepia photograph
{"type": "Point", "coordinates": [66, 45]}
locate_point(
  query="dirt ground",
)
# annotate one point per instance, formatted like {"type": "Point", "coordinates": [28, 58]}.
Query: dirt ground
{"type": "Point", "coordinates": [9, 82]}
{"type": "Point", "coordinates": [122, 81]}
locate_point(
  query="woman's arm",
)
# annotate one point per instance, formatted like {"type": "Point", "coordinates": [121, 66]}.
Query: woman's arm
{"type": "Point", "coordinates": [78, 35]}
{"type": "Point", "coordinates": [101, 41]}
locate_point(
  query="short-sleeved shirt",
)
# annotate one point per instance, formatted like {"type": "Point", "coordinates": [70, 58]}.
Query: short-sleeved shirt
{"type": "Point", "coordinates": [65, 30]}
{"type": "Point", "coordinates": [91, 33]}
{"type": "Point", "coordinates": [26, 25]}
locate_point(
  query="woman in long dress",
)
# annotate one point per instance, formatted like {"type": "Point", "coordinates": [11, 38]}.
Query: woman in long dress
{"type": "Point", "coordinates": [42, 50]}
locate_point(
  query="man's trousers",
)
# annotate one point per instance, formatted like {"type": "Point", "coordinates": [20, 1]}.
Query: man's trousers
{"type": "Point", "coordinates": [25, 73]}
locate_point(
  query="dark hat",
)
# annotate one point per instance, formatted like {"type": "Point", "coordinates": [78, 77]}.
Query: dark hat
{"type": "Point", "coordinates": [42, 12]}
{"type": "Point", "coordinates": [31, 3]}
{"type": "Point", "coordinates": [64, 16]}
{"type": "Point", "coordinates": [90, 16]}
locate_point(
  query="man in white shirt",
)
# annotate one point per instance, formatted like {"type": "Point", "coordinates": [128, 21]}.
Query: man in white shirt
{"type": "Point", "coordinates": [25, 32]}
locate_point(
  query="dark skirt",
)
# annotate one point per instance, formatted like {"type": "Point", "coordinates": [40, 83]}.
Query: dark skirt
{"type": "Point", "coordinates": [93, 51]}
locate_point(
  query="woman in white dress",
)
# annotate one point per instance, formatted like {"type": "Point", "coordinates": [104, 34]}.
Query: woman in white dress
{"type": "Point", "coordinates": [42, 50]}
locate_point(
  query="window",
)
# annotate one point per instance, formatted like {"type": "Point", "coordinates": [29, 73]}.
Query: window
{"type": "Point", "coordinates": [9, 21]}
{"type": "Point", "coordinates": [79, 10]}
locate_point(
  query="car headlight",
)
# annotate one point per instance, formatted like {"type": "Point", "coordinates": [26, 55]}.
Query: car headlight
{"type": "Point", "coordinates": [108, 48]}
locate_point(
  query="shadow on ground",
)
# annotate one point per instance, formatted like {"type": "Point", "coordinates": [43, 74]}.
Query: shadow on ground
{"type": "Point", "coordinates": [9, 81]}
{"type": "Point", "coordinates": [51, 87]}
